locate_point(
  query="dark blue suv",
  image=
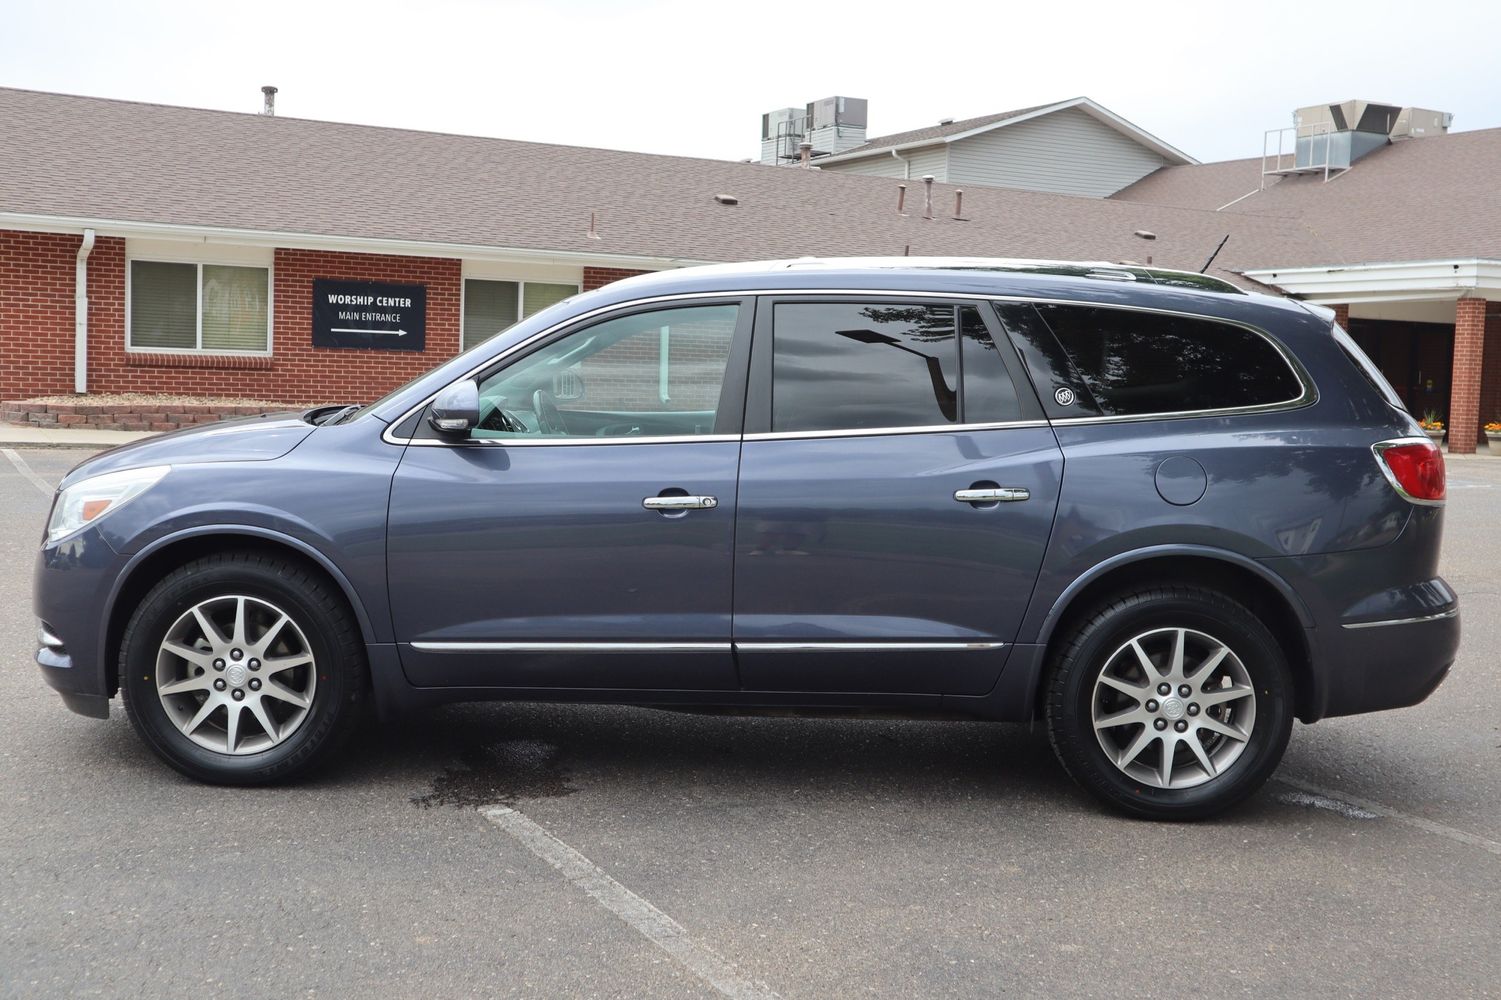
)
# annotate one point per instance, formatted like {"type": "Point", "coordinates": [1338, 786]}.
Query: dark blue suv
{"type": "Point", "coordinates": [1163, 515]}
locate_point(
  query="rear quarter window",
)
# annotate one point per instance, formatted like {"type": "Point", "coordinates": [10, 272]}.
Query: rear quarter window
{"type": "Point", "coordinates": [1141, 363]}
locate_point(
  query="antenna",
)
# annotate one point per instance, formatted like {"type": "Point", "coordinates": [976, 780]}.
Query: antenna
{"type": "Point", "coordinates": [1215, 254]}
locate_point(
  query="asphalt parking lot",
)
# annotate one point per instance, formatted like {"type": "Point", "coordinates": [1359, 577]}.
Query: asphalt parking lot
{"type": "Point", "coordinates": [652, 854]}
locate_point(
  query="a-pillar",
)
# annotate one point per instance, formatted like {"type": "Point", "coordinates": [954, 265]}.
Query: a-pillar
{"type": "Point", "coordinates": [1469, 362]}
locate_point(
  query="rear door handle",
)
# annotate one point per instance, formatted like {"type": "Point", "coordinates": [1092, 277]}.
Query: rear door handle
{"type": "Point", "coordinates": [680, 503]}
{"type": "Point", "coordinates": [1001, 494]}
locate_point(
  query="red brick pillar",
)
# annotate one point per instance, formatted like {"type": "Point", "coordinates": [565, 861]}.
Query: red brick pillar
{"type": "Point", "coordinates": [1342, 317]}
{"type": "Point", "coordinates": [1469, 362]}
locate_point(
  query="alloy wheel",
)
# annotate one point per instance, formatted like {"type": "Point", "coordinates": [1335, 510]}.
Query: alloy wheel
{"type": "Point", "coordinates": [236, 674]}
{"type": "Point", "coordinates": [1173, 708]}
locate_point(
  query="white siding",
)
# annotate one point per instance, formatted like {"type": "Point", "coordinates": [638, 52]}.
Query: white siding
{"type": "Point", "coordinates": [1067, 152]}
{"type": "Point", "coordinates": [932, 160]}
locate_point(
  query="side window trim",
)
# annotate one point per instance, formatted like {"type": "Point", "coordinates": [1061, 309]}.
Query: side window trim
{"type": "Point", "coordinates": [728, 420]}
{"type": "Point", "coordinates": [759, 390]}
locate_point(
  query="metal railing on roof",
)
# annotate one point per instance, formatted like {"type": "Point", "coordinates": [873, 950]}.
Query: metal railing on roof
{"type": "Point", "coordinates": [1316, 163]}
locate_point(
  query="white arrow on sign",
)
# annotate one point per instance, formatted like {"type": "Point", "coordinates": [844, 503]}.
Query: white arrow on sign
{"type": "Point", "coordinates": [393, 333]}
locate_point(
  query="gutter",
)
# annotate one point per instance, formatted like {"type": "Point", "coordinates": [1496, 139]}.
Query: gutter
{"type": "Point", "coordinates": [341, 244]}
{"type": "Point", "coordinates": [81, 314]}
{"type": "Point", "coordinates": [906, 164]}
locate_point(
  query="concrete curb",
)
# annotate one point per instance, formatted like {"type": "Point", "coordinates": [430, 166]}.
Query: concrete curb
{"type": "Point", "coordinates": [16, 436]}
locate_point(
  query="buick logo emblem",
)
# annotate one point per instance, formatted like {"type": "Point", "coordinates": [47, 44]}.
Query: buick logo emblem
{"type": "Point", "coordinates": [1064, 395]}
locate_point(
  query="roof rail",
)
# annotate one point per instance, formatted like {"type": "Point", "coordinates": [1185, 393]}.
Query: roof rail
{"type": "Point", "coordinates": [1099, 270]}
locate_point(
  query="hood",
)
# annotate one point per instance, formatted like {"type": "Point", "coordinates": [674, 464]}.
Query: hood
{"type": "Point", "coordinates": [253, 439]}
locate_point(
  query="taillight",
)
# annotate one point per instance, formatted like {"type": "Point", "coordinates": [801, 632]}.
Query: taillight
{"type": "Point", "coordinates": [1414, 468]}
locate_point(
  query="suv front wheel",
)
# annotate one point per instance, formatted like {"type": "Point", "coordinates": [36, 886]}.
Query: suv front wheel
{"type": "Point", "coordinates": [242, 668]}
{"type": "Point", "coordinates": [1172, 703]}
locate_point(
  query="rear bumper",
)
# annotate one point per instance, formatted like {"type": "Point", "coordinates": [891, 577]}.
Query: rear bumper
{"type": "Point", "coordinates": [1393, 663]}
{"type": "Point", "coordinates": [1387, 626]}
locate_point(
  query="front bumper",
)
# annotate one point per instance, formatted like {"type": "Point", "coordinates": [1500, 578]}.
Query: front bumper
{"type": "Point", "coordinates": [71, 587]}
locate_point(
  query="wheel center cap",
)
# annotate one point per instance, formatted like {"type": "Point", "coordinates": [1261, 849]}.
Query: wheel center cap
{"type": "Point", "coordinates": [236, 675]}
{"type": "Point", "coordinates": [1173, 709]}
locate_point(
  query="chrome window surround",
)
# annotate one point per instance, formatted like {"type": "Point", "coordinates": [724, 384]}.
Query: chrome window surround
{"type": "Point", "coordinates": [1308, 396]}
{"type": "Point", "coordinates": [1391, 477]}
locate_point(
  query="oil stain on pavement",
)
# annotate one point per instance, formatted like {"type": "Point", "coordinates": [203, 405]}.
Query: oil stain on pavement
{"type": "Point", "coordinates": [499, 773]}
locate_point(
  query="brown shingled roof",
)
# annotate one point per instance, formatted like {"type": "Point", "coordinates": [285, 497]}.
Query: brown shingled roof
{"type": "Point", "coordinates": [96, 160]}
{"type": "Point", "coordinates": [1437, 197]}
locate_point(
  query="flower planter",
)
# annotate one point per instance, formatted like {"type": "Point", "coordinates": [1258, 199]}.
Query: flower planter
{"type": "Point", "coordinates": [1437, 436]}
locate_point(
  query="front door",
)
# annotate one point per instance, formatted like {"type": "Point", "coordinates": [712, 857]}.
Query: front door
{"type": "Point", "coordinates": [582, 535]}
{"type": "Point", "coordinates": [897, 490]}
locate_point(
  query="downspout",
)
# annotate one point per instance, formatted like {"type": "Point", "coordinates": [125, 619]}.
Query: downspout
{"type": "Point", "coordinates": [81, 314]}
{"type": "Point", "coordinates": [906, 164]}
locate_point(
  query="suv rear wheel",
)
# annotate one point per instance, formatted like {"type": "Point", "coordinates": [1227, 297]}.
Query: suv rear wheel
{"type": "Point", "coordinates": [242, 669]}
{"type": "Point", "coordinates": [1173, 703]}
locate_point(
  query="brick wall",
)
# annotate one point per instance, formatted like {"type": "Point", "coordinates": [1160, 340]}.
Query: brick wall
{"type": "Point", "coordinates": [36, 307]}
{"type": "Point", "coordinates": [297, 372]}
{"type": "Point", "coordinates": [1469, 357]}
{"type": "Point", "coordinates": [36, 327]}
{"type": "Point", "coordinates": [598, 277]}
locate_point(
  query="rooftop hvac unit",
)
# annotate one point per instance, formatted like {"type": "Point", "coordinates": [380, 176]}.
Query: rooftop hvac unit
{"type": "Point", "coordinates": [841, 111]}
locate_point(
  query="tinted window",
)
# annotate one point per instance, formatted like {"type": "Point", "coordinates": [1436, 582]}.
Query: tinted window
{"type": "Point", "coordinates": [1141, 363]}
{"type": "Point", "coordinates": [848, 366]}
{"type": "Point", "coordinates": [649, 374]}
{"type": "Point", "coordinates": [989, 392]}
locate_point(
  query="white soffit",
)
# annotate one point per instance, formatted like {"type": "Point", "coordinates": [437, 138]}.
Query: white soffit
{"type": "Point", "coordinates": [1439, 280]}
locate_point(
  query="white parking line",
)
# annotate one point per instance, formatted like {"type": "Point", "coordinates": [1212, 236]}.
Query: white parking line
{"type": "Point", "coordinates": [656, 926]}
{"type": "Point", "coordinates": [1418, 822]}
{"type": "Point", "coordinates": [25, 471]}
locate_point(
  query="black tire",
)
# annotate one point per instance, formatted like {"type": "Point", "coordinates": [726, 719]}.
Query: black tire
{"type": "Point", "coordinates": [322, 617]}
{"type": "Point", "coordinates": [1103, 636]}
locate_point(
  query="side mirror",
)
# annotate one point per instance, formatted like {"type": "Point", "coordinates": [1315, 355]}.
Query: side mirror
{"type": "Point", "coordinates": [456, 410]}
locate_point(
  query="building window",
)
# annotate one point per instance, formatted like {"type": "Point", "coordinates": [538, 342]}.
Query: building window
{"type": "Point", "coordinates": [199, 307]}
{"type": "Point", "coordinates": [492, 306]}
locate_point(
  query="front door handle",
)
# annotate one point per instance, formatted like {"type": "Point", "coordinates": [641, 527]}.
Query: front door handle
{"type": "Point", "coordinates": [680, 503]}
{"type": "Point", "coordinates": [1000, 494]}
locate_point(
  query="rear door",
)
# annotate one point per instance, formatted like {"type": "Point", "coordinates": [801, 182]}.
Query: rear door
{"type": "Point", "coordinates": [897, 490]}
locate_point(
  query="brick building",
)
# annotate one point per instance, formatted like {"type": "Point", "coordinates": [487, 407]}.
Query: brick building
{"type": "Point", "coordinates": [163, 249]}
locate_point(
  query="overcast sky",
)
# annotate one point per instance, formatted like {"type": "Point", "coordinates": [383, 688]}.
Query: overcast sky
{"type": "Point", "coordinates": [693, 78]}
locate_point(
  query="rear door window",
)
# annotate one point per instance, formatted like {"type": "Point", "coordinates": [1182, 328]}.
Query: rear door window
{"type": "Point", "coordinates": [1138, 363]}
{"type": "Point", "coordinates": [840, 366]}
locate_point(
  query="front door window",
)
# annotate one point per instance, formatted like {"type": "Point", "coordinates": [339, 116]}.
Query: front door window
{"type": "Point", "coordinates": [649, 374]}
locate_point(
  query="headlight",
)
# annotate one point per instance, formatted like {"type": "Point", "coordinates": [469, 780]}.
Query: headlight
{"type": "Point", "coordinates": [87, 501]}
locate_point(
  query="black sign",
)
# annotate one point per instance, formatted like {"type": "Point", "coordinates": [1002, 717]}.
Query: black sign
{"type": "Point", "coordinates": [369, 314]}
